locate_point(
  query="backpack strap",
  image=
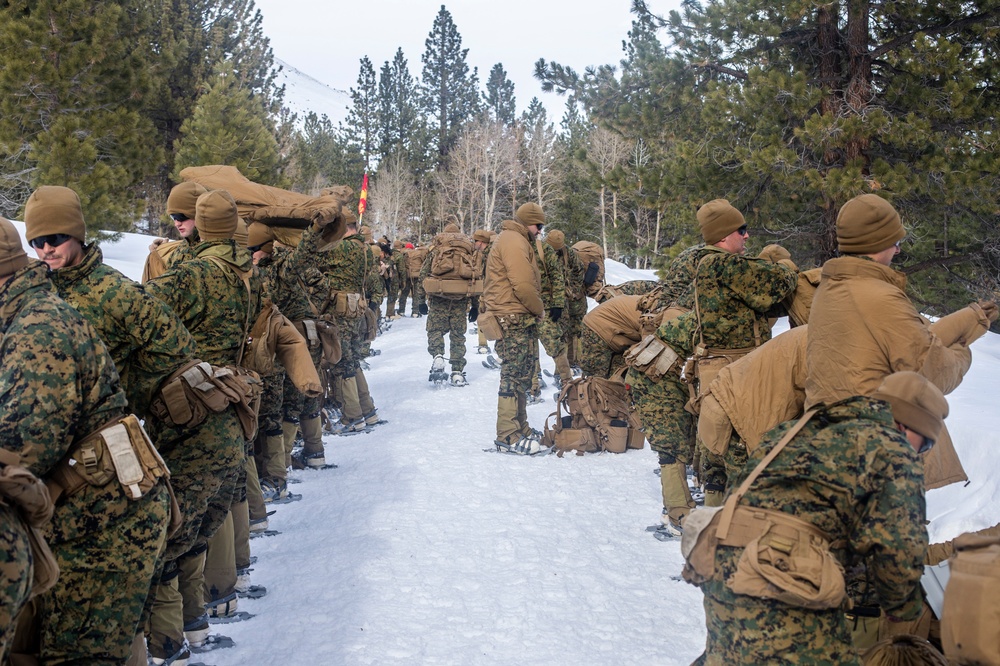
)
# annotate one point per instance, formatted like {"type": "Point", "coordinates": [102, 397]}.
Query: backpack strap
{"type": "Point", "coordinates": [726, 518]}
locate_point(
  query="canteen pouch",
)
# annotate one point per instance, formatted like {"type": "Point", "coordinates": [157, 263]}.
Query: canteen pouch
{"type": "Point", "coordinates": [652, 357]}
{"type": "Point", "coordinates": [348, 305]}
{"type": "Point", "coordinates": [329, 338]}
{"type": "Point", "coordinates": [617, 441]}
{"type": "Point", "coordinates": [489, 326]}
{"type": "Point", "coordinates": [371, 325]}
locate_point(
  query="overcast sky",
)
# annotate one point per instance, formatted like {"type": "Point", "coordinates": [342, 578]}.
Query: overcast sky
{"type": "Point", "coordinates": [327, 39]}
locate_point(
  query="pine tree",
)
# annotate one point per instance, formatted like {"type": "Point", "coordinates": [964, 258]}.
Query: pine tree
{"type": "Point", "coordinates": [73, 86]}
{"type": "Point", "coordinates": [397, 108]}
{"type": "Point", "coordinates": [500, 101]}
{"type": "Point", "coordinates": [321, 157]}
{"type": "Point", "coordinates": [538, 156]}
{"type": "Point", "coordinates": [449, 92]}
{"type": "Point", "coordinates": [229, 126]}
{"type": "Point", "coordinates": [361, 128]}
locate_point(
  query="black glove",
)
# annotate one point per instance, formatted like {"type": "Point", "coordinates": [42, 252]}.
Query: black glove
{"type": "Point", "coordinates": [590, 277]}
{"type": "Point", "coordinates": [423, 308]}
{"type": "Point", "coordinates": [555, 313]}
{"type": "Point", "coordinates": [373, 306]}
{"type": "Point", "coordinates": [473, 313]}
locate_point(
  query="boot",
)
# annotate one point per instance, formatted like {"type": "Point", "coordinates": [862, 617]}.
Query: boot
{"type": "Point", "coordinates": [289, 430]}
{"type": "Point", "coordinates": [220, 570]}
{"type": "Point", "coordinates": [312, 434]}
{"type": "Point", "coordinates": [241, 533]}
{"type": "Point", "coordinates": [274, 455]}
{"type": "Point", "coordinates": [563, 369]}
{"type": "Point", "coordinates": [166, 623]}
{"type": "Point", "coordinates": [508, 426]}
{"type": "Point", "coordinates": [677, 501]}
{"type": "Point", "coordinates": [255, 495]}
{"type": "Point", "coordinates": [191, 584]}
{"type": "Point", "coordinates": [352, 418]}
{"type": "Point", "coordinates": [365, 398]}
{"type": "Point", "coordinates": [522, 418]}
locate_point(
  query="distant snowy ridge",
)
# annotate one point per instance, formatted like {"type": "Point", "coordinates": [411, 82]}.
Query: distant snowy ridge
{"type": "Point", "coordinates": [304, 93]}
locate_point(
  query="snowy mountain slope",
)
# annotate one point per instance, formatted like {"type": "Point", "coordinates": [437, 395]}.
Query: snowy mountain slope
{"type": "Point", "coordinates": [421, 548]}
{"type": "Point", "coordinates": [304, 93]}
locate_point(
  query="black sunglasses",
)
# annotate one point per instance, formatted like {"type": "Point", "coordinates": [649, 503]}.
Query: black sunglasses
{"type": "Point", "coordinates": [179, 217]}
{"type": "Point", "coordinates": [743, 230]}
{"type": "Point", "coordinates": [254, 248]}
{"type": "Point", "coordinates": [926, 446]}
{"type": "Point", "coordinates": [52, 240]}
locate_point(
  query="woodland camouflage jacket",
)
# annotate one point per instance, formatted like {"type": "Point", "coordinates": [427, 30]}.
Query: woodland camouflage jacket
{"type": "Point", "coordinates": [211, 299]}
{"type": "Point", "coordinates": [144, 337]}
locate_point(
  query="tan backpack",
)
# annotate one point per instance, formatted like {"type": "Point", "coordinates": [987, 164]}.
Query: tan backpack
{"type": "Point", "coordinates": [415, 260]}
{"type": "Point", "coordinates": [970, 617]}
{"type": "Point", "coordinates": [455, 271]}
{"type": "Point", "coordinates": [592, 256]}
{"type": "Point", "coordinates": [598, 418]}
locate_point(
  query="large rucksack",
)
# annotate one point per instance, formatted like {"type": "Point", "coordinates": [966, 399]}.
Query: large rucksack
{"type": "Point", "coordinates": [415, 260]}
{"type": "Point", "coordinates": [592, 256]}
{"type": "Point", "coordinates": [598, 418]}
{"type": "Point", "coordinates": [455, 270]}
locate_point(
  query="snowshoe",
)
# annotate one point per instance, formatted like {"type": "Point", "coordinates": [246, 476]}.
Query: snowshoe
{"type": "Point", "coordinates": [458, 379]}
{"type": "Point", "coordinates": [437, 374]}
{"type": "Point", "coordinates": [474, 329]}
{"type": "Point", "coordinates": [374, 352]}
{"type": "Point", "coordinates": [483, 349]}
{"type": "Point", "coordinates": [541, 382]}
{"type": "Point", "coordinates": [238, 616]}
{"type": "Point", "coordinates": [213, 642]}
{"type": "Point", "coordinates": [364, 365]}
{"type": "Point", "coordinates": [534, 399]}
{"type": "Point", "coordinates": [525, 446]}
{"type": "Point", "coordinates": [295, 497]}
{"type": "Point", "coordinates": [264, 533]}
{"type": "Point", "coordinates": [253, 592]}
{"type": "Point", "coordinates": [493, 361]}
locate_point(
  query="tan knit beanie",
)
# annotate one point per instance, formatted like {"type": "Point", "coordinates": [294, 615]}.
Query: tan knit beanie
{"type": "Point", "coordinates": [482, 236]}
{"type": "Point", "coordinates": [556, 239]}
{"type": "Point", "coordinates": [215, 216]}
{"type": "Point", "coordinates": [12, 255]}
{"type": "Point", "coordinates": [718, 219]}
{"type": "Point", "coordinates": [240, 235]}
{"type": "Point", "coordinates": [397, 245]}
{"type": "Point", "coordinates": [530, 213]}
{"type": "Point", "coordinates": [52, 209]}
{"type": "Point", "coordinates": [183, 198]}
{"type": "Point", "coordinates": [867, 224]}
{"type": "Point", "coordinates": [452, 228]}
{"type": "Point", "coordinates": [916, 402]}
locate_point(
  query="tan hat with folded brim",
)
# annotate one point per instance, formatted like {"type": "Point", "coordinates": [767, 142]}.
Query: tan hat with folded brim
{"type": "Point", "coordinates": [717, 219]}
{"type": "Point", "coordinates": [868, 224]}
{"type": "Point", "coordinates": [52, 209]}
{"type": "Point", "coordinates": [556, 239]}
{"type": "Point", "coordinates": [216, 216]}
{"type": "Point", "coordinates": [530, 213]}
{"type": "Point", "coordinates": [915, 401]}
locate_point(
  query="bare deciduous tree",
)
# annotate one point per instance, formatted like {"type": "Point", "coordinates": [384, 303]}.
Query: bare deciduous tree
{"type": "Point", "coordinates": [607, 150]}
{"type": "Point", "coordinates": [394, 198]}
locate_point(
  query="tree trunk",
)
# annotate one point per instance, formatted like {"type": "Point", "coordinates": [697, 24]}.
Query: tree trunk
{"type": "Point", "coordinates": [604, 222]}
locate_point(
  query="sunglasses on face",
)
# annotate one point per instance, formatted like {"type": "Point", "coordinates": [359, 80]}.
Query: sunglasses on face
{"type": "Point", "coordinates": [743, 230]}
{"type": "Point", "coordinates": [926, 446]}
{"type": "Point", "coordinates": [254, 248]}
{"type": "Point", "coordinates": [52, 240]}
{"type": "Point", "coordinates": [179, 217]}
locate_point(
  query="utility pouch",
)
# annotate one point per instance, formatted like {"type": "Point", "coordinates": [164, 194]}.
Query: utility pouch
{"type": "Point", "coordinates": [371, 325]}
{"type": "Point", "coordinates": [489, 326]}
{"type": "Point", "coordinates": [309, 332]}
{"type": "Point", "coordinates": [348, 305]}
{"type": "Point", "coordinates": [652, 357]}
{"type": "Point", "coordinates": [329, 338]}
{"type": "Point", "coordinates": [702, 369]}
{"type": "Point", "coordinates": [790, 564]}
{"type": "Point", "coordinates": [970, 617]}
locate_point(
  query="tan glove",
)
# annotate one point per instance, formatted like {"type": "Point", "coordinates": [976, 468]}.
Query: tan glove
{"type": "Point", "coordinates": [157, 242]}
{"type": "Point", "coordinates": [774, 253]}
{"type": "Point", "coordinates": [989, 309]}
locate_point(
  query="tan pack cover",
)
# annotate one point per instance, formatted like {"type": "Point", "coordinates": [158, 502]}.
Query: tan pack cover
{"type": "Point", "coordinates": [799, 302]}
{"type": "Point", "coordinates": [598, 418]}
{"type": "Point", "coordinates": [453, 289]}
{"type": "Point", "coordinates": [415, 261]}
{"type": "Point", "coordinates": [156, 262]}
{"type": "Point", "coordinates": [592, 253]}
{"type": "Point", "coordinates": [455, 258]}
{"type": "Point", "coordinates": [970, 617]}
{"type": "Point", "coordinates": [272, 337]}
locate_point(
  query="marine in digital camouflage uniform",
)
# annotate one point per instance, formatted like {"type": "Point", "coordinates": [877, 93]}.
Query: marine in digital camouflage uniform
{"type": "Point", "coordinates": [512, 295]}
{"type": "Point", "coordinates": [59, 385]}
{"type": "Point", "coordinates": [215, 306]}
{"type": "Point", "coordinates": [445, 316]}
{"type": "Point", "coordinates": [734, 297]}
{"type": "Point", "coordinates": [343, 271]}
{"type": "Point", "coordinates": [852, 473]}
{"type": "Point", "coordinates": [402, 277]}
{"type": "Point", "coordinates": [576, 300]}
{"type": "Point", "coordinates": [552, 330]}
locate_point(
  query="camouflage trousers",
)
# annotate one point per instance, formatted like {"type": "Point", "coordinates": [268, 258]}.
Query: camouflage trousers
{"type": "Point", "coordinates": [748, 630]}
{"type": "Point", "coordinates": [392, 293]}
{"type": "Point", "coordinates": [519, 352]}
{"type": "Point", "coordinates": [352, 345]}
{"type": "Point", "coordinates": [203, 463]}
{"type": "Point", "coordinates": [15, 573]}
{"type": "Point", "coordinates": [669, 429]}
{"type": "Point", "coordinates": [597, 359]}
{"type": "Point", "coordinates": [552, 335]}
{"type": "Point", "coordinates": [447, 317]}
{"type": "Point", "coordinates": [105, 575]}
{"type": "Point", "coordinates": [271, 403]}
{"type": "Point", "coordinates": [575, 310]}
{"type": "Point", "coordinates": [404, 293]}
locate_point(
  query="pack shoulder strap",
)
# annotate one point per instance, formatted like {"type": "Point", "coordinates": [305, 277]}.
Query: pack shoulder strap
{"type": "Point", "coordinates": [245, 277]}
{"type": "Point", "coordinates": [726, 518]}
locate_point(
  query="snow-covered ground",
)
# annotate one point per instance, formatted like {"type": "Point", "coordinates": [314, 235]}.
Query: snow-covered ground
{"type": "Point", "coordinates": [421, 548]}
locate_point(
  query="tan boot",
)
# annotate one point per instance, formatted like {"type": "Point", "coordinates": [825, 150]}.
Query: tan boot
{"type": "Point", "coordinates": [191, 584]}
{"type": "Point", "coordinates": [508, 427]}
{"type": "Point", "coordinates": [255, 497]}
{"type": "Point", "coordinates": [241, 534]}
{"type": "Point", "coordinates": [522, 418]}
{"type": "Point", "coordinates": [220, 571]}
{"type": "Point", "coordinates": [676, 495]}
{"type": "Point", "coordinates": [312, 434]}
{"type": "Point", "coordinates": [288, 432]}
{"type": "Point", "coordinates": [352, 418]}
{"type": "Point", "coordinates": [562, 368]}
{"type": "Point", "coordinates": [274, 455]}
{"type": "Point", "coordinates": [365, 398]}
{"type": "Point", "coordinates": [166, 622]}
